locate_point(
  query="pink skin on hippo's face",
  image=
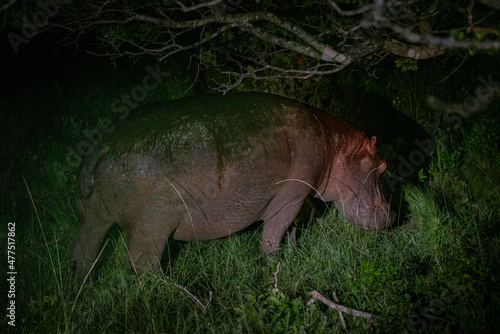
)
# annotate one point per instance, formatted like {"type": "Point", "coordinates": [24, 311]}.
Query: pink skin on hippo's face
{"type": "Point", "coordinates": [353, 185]}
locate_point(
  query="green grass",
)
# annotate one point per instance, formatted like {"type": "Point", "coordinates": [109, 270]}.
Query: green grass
{"type": "Point", "coordinates": [437, 272]}
{"type": "Point", "coordinates": [425, 272]}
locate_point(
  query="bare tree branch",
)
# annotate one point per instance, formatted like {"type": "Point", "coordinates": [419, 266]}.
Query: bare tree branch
{"type": "Point", "coordinates": [446, 42]}
{"type": "Point", "coordinates": [378, 19]}
{"type": "Point", "coordinates": [313, 48]}
{"type": "Point", "coordinates": [413, 51]}
{"type": "Point", "coordinates": [324, 44]}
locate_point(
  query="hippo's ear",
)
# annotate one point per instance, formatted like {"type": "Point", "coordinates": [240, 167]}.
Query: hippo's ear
{"type": "Point", "coordinates": [371, 146]}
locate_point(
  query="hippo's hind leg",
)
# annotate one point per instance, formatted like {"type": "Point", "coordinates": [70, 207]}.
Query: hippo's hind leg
{"type": "Point", "coordinates": [146, 242]}
{"type": "Point", "coordinates": [90, 234]}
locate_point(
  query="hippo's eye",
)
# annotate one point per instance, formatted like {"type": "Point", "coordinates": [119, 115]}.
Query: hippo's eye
{"type": "Point", "coordinates": [382, 167]}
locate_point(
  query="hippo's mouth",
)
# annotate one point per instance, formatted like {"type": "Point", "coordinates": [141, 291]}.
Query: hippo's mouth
{"type": "Point", "coordinates": [375, 218]}
{"type": "Point", "coordinates": [379, 219]}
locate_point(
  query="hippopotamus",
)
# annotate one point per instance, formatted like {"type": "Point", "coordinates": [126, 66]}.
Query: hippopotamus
{"type": "Point", "coordinates": [204, 167]}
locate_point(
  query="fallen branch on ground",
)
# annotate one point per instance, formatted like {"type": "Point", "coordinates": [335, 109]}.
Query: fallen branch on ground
{"type": "Point", "coordinates": [317, 296]}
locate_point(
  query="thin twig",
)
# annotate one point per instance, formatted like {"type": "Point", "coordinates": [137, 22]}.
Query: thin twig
{"type": "Point", "coordinates": [276, 278]}
{"type": "Point", "coordinates": [204, 307]}
{"type": "Point", "coordinates": [340, 312]}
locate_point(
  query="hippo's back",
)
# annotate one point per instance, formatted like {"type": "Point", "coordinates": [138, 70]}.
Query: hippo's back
{"type": "Point", "coordinates": [196, 124]}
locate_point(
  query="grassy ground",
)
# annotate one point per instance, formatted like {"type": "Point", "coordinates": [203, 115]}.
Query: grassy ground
{"type": "Point", "coordinates": [436, 272]}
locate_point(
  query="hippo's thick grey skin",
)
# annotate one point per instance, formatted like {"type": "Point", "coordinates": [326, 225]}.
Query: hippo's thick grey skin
{"type": "Point", "coordinates": [205, 167]}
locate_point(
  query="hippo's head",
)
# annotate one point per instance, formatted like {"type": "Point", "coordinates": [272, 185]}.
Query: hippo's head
{"type": "Point", "coordinates": [354, 186]}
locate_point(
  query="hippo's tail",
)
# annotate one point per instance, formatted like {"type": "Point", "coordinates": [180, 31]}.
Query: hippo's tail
{"type": "Point", "coordinates": [86, 181]}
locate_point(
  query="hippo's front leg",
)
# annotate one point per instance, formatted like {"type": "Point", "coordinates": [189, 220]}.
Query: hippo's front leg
{"type": "Point", "coordinates": [276, 225]}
